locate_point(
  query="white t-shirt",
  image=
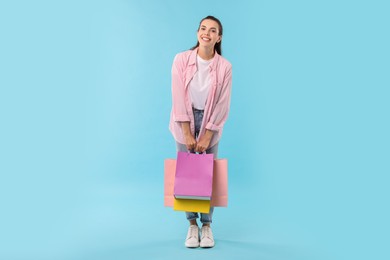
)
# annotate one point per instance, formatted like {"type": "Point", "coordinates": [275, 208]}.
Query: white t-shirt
{"type": "Point", "coordinates": [199, 86]}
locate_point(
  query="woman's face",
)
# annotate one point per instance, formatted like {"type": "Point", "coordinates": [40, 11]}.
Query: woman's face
{"type": "Point", "coordinates": [208, 33]}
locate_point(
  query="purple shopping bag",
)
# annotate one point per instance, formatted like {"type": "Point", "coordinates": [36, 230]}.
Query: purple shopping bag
{"type": "Point", "coordinates": [194, 176]}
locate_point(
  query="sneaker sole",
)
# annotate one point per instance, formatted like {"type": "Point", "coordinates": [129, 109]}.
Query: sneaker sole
{"type": "Point", "coordinates": [191, 246]}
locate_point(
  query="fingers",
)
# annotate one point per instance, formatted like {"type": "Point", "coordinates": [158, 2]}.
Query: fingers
{"type": "Point", "coordinates": [190, 142]}
{"type": "Point", "coordinates": [191, 146]}
{"type": "Point", "coordinates": [200, 148]}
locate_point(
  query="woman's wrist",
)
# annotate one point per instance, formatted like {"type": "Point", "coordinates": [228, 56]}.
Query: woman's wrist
{"type": "Point", "coordinates": [185, 127]}
{"type": "Point", "coordinates": [208, 134]}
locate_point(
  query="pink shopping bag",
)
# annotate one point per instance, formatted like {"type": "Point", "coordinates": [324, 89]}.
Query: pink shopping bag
{"type": "Point", "coordinates": [219, 197]}
{"type": "Point", "coordinates": [194, 176]}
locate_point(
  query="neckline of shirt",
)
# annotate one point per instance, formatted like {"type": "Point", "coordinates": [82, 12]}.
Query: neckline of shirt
{"type": "Point", "coordinates": [204, 61]}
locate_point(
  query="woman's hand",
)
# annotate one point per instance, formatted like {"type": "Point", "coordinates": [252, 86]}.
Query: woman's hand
{"type": "Point", "coordinates": [204, 142]}
{"type": "Point", "coordinates": [190, 142]}
{"type": "Point", "coordinates": [202, 145]}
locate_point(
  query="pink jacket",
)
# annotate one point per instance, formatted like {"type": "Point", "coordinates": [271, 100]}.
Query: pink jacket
{"type": "Point", "coordinates": [218, 101]}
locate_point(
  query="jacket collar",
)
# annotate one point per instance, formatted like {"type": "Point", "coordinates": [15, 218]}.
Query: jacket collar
{"type": "Point", "coordinates": [192, 60]}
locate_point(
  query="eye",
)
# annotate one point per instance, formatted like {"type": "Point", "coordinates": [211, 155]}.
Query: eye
{"type": "Point", "coordinates": [214, 31]}
{"type": "Point", "coordinates": [203, 28]}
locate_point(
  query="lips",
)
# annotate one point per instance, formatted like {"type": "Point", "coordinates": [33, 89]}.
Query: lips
{"type": "Point", "coordinates": [206, 39]}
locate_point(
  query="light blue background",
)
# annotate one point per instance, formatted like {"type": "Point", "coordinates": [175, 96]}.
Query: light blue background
{"type": "Point", "coordinates": [84, 110]}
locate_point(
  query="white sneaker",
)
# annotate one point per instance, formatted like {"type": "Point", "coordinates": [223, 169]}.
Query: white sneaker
{"type": "Point", "coordinates": [192, 239]}
{"type": "Point", "coordinates": [207, 239]}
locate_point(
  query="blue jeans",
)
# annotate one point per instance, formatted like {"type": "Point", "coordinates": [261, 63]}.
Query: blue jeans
{"type": "Point", "coordinates": [198, 116]}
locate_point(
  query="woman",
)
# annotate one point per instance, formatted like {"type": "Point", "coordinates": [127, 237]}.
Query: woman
{"type": "Point", "coordinates": [201, 86]}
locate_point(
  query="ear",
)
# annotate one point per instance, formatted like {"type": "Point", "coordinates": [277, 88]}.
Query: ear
{"type": "Point", "coordinates": [220, 39]}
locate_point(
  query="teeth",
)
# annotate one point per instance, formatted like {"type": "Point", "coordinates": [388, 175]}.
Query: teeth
{"type": "Point", "coordinates": [205, 39]}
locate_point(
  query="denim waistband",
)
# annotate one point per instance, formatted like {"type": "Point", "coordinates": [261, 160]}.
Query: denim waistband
{"type": "Point", "coordinates": [197, 110]}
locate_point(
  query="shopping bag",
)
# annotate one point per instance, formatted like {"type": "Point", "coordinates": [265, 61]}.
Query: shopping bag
{"type": "Point", "coordinates": [219, 197]}
{"type": "Point", "coordinates": [169, 181]}
{"type": "Point", "coordinates": [190, 205]}
{"type": "Point", "coordinates": [194, 176]}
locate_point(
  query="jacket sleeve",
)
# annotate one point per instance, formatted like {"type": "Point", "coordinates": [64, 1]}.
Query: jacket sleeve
{"type": "Point", "coordinates": [178, 91]}
{"type": "Point", "coordinates": [221, 110]}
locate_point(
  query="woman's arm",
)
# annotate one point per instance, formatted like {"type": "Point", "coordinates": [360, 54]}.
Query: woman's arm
{"type": "Point", "coordinates": [204, 141]}
{"type": "Point", "coordinates": [178, 93]}
{"type": "Point", "coordinates": [219, 114]}
{"type": "Point", "coordinates": [221, 110]}
{"type": "Point", "coordinates": [178, 103]}
{"type": "Point", "coordinates": [190, 140]}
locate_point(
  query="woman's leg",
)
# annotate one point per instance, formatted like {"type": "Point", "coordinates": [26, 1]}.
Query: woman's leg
{"type": "Point", "coordinates": [207, 218]}
{"type": "Point", "coordinates": [207, 239]}
{"type": "Point", "coordinates": [192, 239]}
{"type": "Point", "coordinates": [191, 216]}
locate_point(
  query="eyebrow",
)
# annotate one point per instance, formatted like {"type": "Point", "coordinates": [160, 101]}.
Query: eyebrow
{"type": "Point", "coordinates": [210, 27]}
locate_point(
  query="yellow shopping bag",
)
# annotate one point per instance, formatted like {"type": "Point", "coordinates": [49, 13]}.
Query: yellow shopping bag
{"type": "Point", "coordinates": [202, 206]}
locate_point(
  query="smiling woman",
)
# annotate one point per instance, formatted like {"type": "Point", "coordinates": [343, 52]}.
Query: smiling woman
{"type": "Point", "coordinates": [210, 28]}
{"type": "Point", "coordinates": [201, 87]}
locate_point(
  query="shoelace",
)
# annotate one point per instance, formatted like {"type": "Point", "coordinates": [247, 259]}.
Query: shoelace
{"type": "Point", "coordinates": [193, 232]}
{"type": "Point", "coordinates": [206, 232]}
